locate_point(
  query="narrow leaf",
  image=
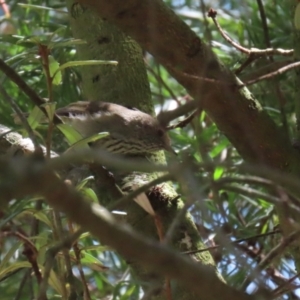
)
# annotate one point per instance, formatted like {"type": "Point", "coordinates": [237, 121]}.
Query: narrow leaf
{"type": "Point", "coordinates": [50, 109]}
{"type": "Point", "coordinates": [84, 142]}
{"type": "Point", "coordinates": [86, 63]}
{"type": "Point", "coordinates": [218, 173]}
{"type": "Point", "coordinates": [70, 133]}
{"type": "Point", "coordinates": [54, 71]}
{"type": "Point", "coordinates": [35, 117]}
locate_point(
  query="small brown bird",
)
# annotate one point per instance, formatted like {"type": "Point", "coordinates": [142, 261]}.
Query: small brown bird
{"type": "Point", "coordinates": [130, 131]}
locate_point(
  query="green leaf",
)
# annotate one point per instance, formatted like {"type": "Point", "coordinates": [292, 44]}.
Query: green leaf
{"type": "Point", "coordinates": [83, 143]}
{"type": "Point", "coordinates": [39, 7]}
{"type": "Point", "coordinates": [38, 214]}
{"type": "Point", "coordinates": [50, 109]}
{"type": "Point", "coordinates": [54, 70]}
{"type": "Point", "coordinates": [91, 261]}
{"type": "Point", "coordinates": [60, 31]}
{"type": "Point", "coordinates": [71, 134]}
{"type": "Point", "coordinates": [56, 282]}
{"type": "Point", "coordinates": [202, 116]}
{"type": "Point", "coordinates": [75, 139]}
{"type": "Point", "coordinates": [13, 267]}
{"type": "Point", "coordinates": [219, 148]}
{"type": "Point", "coordinates": [78, 63]}
{"type": "Point", "coordinates": [22, 56]}
{"type": "Point", "coordinates": [89, 193]}
{"type": "Point", "coordinates": [12, 39]}
{"type": "Point", "coordinates": [99, 248]}
{"type": "Point", "coordinates": [83, 182]}
{"type": "Point", "coordinates": [65, 43]}
{"type": "Point", "coordinates": [10, 217]}
{"type": "Point", "coordinates": [129, 292]}
{"type": "Point", "coordinates": [218, 173]}
{"type": "Point", "coordinates": [35, 117]}
{"type": "Point", "coordinates": [30, 39]}
{"type": "Point", "coordinates": [8, 256]}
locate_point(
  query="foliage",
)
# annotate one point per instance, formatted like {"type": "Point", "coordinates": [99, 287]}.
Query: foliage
{"type": "Point", "coordinates": [234, 210]}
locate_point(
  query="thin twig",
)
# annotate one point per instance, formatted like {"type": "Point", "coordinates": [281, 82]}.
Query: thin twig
{"type": "Point", "coordinates": [212, 14]}
{"type": "Point", "coordinates": [163, 83]}
{"type": "Point", "coordinates": [194, 193]}
{"type": "Point", "coordinates": [144, 188]}
{"type": "Point", "coordinates": [244, 179]}
{"type": "Point", "coordinates": [19, 293]}
{"type": "Point", "coordinates": [207, 31]}
{"type": "Point", "coordinates": [271, 67]}
{"type": "Point", "coordinates": [29, 251]}
{"type": "Point", "coordinates": [251, 193]}
{"type": "Point", "coordinates": [280, 96]}
{"type": "Point", "coordinates": [51, 253]}
{"type": "Point", "coordinates": [264, 22]}
{"type": "Point", "coordinates": [233, 242]}
{"type": "Point", "coordinates": [166, 117]}
{"type": "Point", "coordinates": [272, 254]}
{"type": "Point", "coordinates": [176, 222]}
{"type": "Point", "coordinates": [44, 54]}
{"type": "Point", "coordinates": [24, 121]}
{"type": "Point", "coordinates": [245, 64]}
{"type": "Point", "coordinates": [253, 51]}
{"type": "Point", "coordinates": [280, 289]}
{"type": "Point", "coordinates": [34, 97]}
{"type": "Point", "coordinates": [76, 249]}
{"type": "Point", "coordinates": [272, 74]}
{"type": "Point", "coordinates": [278, 249]}
{"type": "Point", "coordinates": [184, 122]}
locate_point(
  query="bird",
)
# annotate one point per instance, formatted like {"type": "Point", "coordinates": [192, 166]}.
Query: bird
{"type": "Point", "coordinates": [130, 131]}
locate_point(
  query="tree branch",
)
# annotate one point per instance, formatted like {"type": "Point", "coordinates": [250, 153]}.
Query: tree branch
{"type": "Point", "coordinates": [33, 177]}
{"type": "Point", "coordinates": [33, 96]}
{"type": "Point", "coordinates": [235, 111]}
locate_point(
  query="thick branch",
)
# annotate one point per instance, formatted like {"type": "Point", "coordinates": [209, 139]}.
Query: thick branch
{"type": "Point", "coordinates": [181, 51]}
{"type": "Point", "coordinates": [32, 177]}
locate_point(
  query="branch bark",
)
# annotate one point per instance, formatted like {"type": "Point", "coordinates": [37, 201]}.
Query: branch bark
{"type": "Point", "coordinates": [32, 176]}
{"type": "Point", "coordinates": [235, 111]}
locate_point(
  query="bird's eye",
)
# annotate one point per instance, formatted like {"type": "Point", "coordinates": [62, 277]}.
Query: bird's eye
{"type": "Point", "coordinates": [160, 132]}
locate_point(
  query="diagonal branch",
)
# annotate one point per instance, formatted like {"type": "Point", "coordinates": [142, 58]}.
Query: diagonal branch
{"type": "Point", "coordinates": [235, 111]}
{"type": "Point", "coordinates": [17, 79]}
{"type": "Point", "coordinates": [33, 177]}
